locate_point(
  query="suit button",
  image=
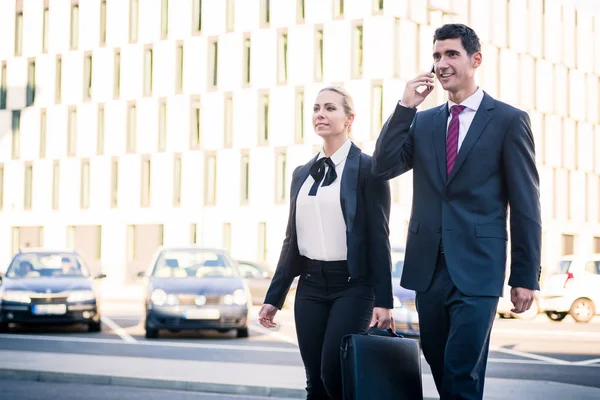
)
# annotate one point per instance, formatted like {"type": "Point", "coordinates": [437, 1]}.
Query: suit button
{"type": "Point", "coordinates": [438, 230]}
{"type": "Point", "coordinates": [446, 200]}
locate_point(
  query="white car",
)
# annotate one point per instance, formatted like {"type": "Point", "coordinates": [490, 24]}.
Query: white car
{"type": "Point", "coordinates": [573, 288]}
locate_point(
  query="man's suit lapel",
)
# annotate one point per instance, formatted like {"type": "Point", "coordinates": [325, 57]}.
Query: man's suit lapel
{"type": "Point", "coordinates": [440, 120]}
{"type": "Point", "coordinates": [349, 186]}
{"type": "Point", "coordinates": [482, 117]}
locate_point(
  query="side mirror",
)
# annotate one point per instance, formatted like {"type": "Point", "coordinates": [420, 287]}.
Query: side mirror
{"type": "Point", "coordinates": [100, 276]}
{"type": "Point", "coordinates": [141, 274]}
{"type": "Point", "coordinates": [248, 275]}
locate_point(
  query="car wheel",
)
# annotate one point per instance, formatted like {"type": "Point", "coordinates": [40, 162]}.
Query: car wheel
{"type": "Point", "coordinates": [151, 333]}
{"type": "Point", "coordinates": [556, 316]}
{"type": "Point", "coordinates": [242, 333]}
{"type": "Point", "coordinates": [95, 326]}
{"type": "Point", "coordinates": [582, 310]}
{"type": "Point", "coordinates": [529, 314]}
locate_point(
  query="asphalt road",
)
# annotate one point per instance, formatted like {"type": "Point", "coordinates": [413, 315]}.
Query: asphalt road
{"type": "Point", "coordinates": [564, 352]}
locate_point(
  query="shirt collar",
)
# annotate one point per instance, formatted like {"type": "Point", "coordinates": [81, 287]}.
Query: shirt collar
{"type": "Point", "coordinates": [339, 155]}
{"type": "Point", "coordinates": [472, 102]}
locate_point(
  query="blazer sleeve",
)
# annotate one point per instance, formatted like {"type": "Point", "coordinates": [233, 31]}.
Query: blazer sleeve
{"type": "Point", "coordinates": [523, 186]}
{"type": "Point", "coordinates": [281, 282]}
{"type": "Point", "coordinates": [393, 153]}
{"type": "Point", "coordinates": [378, 203]}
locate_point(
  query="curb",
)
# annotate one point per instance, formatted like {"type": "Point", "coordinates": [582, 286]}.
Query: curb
{"type": "Point", "coordinates": [190, 386]}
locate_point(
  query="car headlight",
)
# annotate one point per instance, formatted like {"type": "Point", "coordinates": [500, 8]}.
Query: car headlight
{"type": "Point", "coordinates": [158, 297]}
{"type": "Point", "coordinates": [16, 296]}
{"type": "Point", "coordinates": [239, 297]}
{"type": "Point", "coordinates": [397, 302]}
{"type": "Point", "coordinates": [80, 295]}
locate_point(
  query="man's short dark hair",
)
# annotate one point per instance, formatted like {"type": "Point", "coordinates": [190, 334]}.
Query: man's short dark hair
{"type": "Point", "coordinates": [468, 37]}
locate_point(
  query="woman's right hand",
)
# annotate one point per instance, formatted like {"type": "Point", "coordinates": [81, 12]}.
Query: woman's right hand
{"type": "Point", "coordinates": [266, 315]}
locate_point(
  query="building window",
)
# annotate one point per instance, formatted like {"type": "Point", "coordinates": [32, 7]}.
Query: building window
{"type": "Point", "coordinates": [397, 43]}
{"type": "Point", "coordinates": [377, 6]}
{"type": "Point", "coordinates": [246, 66]}
{"type": "Point", "coordinates": [131, 128]}
{"type": "Point", "coordinates": [263, 118]}
{"type": "Point", "coordinates": [3, 87]}
{"type": "Point", "coordinates": [376, 109]}
{"type": "Point", "coordinates": [133, 20]}
{"type": "Point", "coordinates": [28, 192]}
{"type": "Point", "coordinates": [262, 241]}
{"type": "Point", "coordinates": [117, 74]}
{"type": "Point", "coordinates": [85, 184]}
{"type": "Point", "coordinates": [265, 13]}
{"type": "Point", "coordinates": [280, 177]}
{"type": "Point", "coordinates": [43, 132]}
{"type": "Point", "coordinates": [319, 47]}
{"type": "Point", "coordinates": [179, 68]}
{"type": "Point", "coordinates": [114, 183]}
{"type": "Point", "coordinates": [87, 77]}
{"type": "Point", "coordinates": [19, 31]}
{"type": "Point", "coordinates": [196, 123]}
{"type": "Point", "coordinates": [210, 194]}
{"type": "Point", "coordinates": [568, 194]}
{"type": "Point", "coordinates": [227, 236]}
{"type": "Point", "coordinates": [596, 244]}
{"type": "Point", "coordinates": [148, 67]}
{"type": "Point", "coordinates": [55, 184]}
{"type": "Point", "coordinates": [74, 40]}
{"type": "Point", "coordinates": [45, 29]}
{"type": "Point", "coordinates": [164, 19]}
{"type": "Point", "coordinates": [146, 181]}
{"type": "Point", "coordinates": [177, 180]}
{"type": "Point", "coordinates": [16, 134]}
{"type": "Point", "coordinates": [100, 131]}
{"type": "Point", "coordinates": [338, 8]}
{"type": "Point", "coordinates": [300, 11]}
{"type": "Point", "coordinates": [193, 234]}
{"type": "Point", "coordinates": [299, 117]}
{"type": "Point", "coordinates": [230, 15]}
{"type": "Point", "coordinates": [102, 22]}
{"type": "Point", "coordinates": [197, 16]}
{"type": "Point", "coordinates": [72, 132]}
{"type": "Point", "coordinates": [213, 62]}
{"type": "Point", "coordinates": [228, 120]}
{"type": "Point", "coordinates": [357, 51]}
{"type": "Point", "coordinates": [245, 175]}
{"type": "Point", "coordinates": [98, 242]}
{"type": "Point", "coordinates": [58, 80]}
{"type": "Point", "coordinates": [1, 186]}
{"type": "Point", "coordinates": [282, 57]}
{"type": "Point", "coordinates": [568, 245]}
{"type": "Point", "coordinates": [162, 125]}
{"type": "Point", "coordinates": [30, 95]}
{"type": "Point", "coordinates": [131, 240]}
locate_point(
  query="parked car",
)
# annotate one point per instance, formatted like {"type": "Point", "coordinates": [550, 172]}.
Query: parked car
{"type": "Point", "coordinates": [258, 276]}
{"type": "Point", "coordinates": [195, 288]}
{"type": "Point", "coordinates": [572, 288]}
{"type": "Point", "coordinates": [406, 318]}
{"type": "Point", "coordinates": [505, 306]}
{"type": "Point", "coordinates": [49, 287]}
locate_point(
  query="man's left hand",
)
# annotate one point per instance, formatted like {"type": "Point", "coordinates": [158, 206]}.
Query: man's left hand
{"type": "Point", "coordinates": [522, 299]}
{"type": "Point", "coordinates": [382, 317]}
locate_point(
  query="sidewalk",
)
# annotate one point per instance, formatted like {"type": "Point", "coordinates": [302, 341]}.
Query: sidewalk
{"type": "Point", "coordinates": [232, 378]}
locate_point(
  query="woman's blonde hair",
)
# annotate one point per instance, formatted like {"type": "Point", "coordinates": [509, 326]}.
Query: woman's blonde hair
{"type": "Point", "coordinates": [347, 101]}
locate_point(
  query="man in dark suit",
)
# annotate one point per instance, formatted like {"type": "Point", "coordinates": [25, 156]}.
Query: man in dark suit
{"type": "Point", "coordinates": [471, 158]}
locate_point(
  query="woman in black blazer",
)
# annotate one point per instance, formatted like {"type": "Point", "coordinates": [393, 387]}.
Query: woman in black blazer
{"type": "Point", "coordinates": [337, 240]}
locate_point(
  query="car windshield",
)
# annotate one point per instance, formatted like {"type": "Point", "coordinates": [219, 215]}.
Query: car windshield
{"type": "Point", "coordinates": [397, 264]}
{"type": "Point", "coordinates": [562, 267]}
{"type": "Point", "coordinates": [193, 263]}
{"type": "Point", "coordinates": [36, 265]}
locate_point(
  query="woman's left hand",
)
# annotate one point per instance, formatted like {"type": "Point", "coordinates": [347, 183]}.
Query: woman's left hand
{"type": "Point", "coordinates": [383, 318]}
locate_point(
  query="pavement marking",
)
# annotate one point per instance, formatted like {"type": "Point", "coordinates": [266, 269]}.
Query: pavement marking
{"type": "Point", "coordinates": [273, 334]}
{"type": "Point", "coordinates": [529, 355]}
{"type": "Point", "coordinates": [118, 330]}
{"type": "Point", "coordinates": [588, 362]}
{"type": "Point", "coordinates": [538, 332]}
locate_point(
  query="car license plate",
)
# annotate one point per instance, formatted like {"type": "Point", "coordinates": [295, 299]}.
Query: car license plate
{"type": "Point", "coordinates": [208, 313]}
{"type": "Point", "coordinates": [49, 309]}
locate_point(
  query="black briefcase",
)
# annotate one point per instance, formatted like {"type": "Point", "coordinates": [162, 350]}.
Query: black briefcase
{"type": "Point", "coordinates": [376, 367]}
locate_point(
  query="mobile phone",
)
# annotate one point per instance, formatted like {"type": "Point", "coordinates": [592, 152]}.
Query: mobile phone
{"type": "Point", "coordinates": [433, 68]}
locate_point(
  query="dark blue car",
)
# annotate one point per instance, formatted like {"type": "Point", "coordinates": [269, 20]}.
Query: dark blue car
{"type": "Point", "coordinates": [405, 314]}
{"type": "Point", "coordinates": [48, 287]}
{"type": "Point", "coordinates": [195, 288]}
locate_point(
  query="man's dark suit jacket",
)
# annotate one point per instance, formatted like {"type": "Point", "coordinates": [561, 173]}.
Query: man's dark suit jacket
{"type": "Point", "coordinates": [365, 203]}
{"type": "Point", "coordinates": [467, 211]}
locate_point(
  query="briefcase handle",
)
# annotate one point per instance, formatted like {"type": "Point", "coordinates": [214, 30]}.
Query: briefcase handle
{"type": "Point", "coordinates": [372, 329]}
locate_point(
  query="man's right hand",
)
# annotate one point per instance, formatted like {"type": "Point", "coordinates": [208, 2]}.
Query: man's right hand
{"type": "Point", "coordinates": [266, 315]}
{"type": "Point", "coordinates": [412, 97]}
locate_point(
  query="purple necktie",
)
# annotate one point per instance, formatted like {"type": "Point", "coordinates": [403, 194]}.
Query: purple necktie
{"type": "Point", "coordinates": [452, 138]}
